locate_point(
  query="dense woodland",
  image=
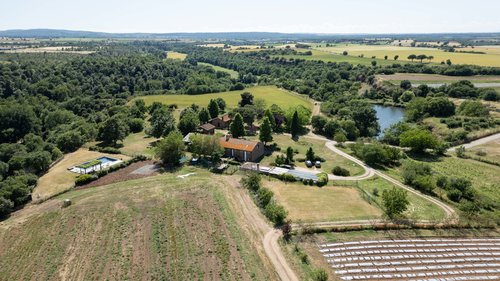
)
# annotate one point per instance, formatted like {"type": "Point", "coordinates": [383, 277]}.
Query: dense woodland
{"type": "Point", "coordinates": [54, 103]}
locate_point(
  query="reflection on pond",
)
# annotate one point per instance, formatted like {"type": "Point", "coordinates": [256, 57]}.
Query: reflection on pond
{"type": "Point", "coordinates": [388, 115]}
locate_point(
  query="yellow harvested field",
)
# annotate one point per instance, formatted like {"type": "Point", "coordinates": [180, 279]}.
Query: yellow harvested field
{"type": "Point", "coordinates": [176, 56]}
{"type": "Point", "coordinates": [491, 58]}
{"type": "Point", "coordinates": [59, 179]}
{"type": "Point", "coordinates": [316, 204]}
{"type": "Point", "coordinates": [62, 49]}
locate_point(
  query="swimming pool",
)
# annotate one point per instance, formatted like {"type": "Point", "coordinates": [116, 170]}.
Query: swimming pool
{"type": "Point", "coordinates": [105, 159]}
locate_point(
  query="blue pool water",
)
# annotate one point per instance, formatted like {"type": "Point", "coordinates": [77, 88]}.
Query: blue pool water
{"type": "Point", "coordinates": [105, 160]}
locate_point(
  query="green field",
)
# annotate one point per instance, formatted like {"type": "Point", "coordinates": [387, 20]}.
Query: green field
{"type": "Point", "coordinates": [157, 228]}
{"type": "Point", "coordinates": [491, 58]}
{"type": "Point", "coordinates": [232, 73]}
{"type": "Point", "coordinates": [270, 94]}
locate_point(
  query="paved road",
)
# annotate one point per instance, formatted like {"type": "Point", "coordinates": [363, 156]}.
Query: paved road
{"type": "Point", "coordinates": [450, 213]}
{"type": "Point", "coordinates": [477, 142]}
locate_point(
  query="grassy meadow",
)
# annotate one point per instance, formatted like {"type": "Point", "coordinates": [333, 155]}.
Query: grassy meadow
{"type": "Point", "coordinates": [157, 228]}
{"type": "Point", "coordinates": [306, 203]}
{"type": "Point", "coordinates": [232, 73]}
{"type": "Point", "coordinates": [419, 208]}
{"type": "Point", "coordinates": [270, 94]}
{"type": "Point", "coordinates": [333, 57]}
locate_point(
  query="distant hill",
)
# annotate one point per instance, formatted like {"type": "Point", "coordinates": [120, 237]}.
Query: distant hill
{"type": "Point", "coordinates": [61, 33]}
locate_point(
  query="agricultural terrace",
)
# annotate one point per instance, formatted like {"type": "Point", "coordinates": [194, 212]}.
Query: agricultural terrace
{"type": "Point", "coordinates": [270, 94]}
{"type": "Point", "coordinates": [176, 56]}
{"type": "Point", "coordinates": [490, 58]}
{"type": "Point", "coordinates": [59, 179]}
{"type": "Point", "coordinates": [232, 73]}
{"type": "Point", "coordinates": [157, 228]}
{"type": "Point", "coordinates": [302, 145]}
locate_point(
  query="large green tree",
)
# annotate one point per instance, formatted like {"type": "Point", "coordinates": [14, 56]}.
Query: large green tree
{"type": "Point", "coordinates": [170, 150]}
{"type": "Point", "coordinates": [266, 132]}
{"type": "Point", "coordinates": [395, 202]}
{"type": "Point", "coordinates": [418, 140]}
{"type": "Point", "coordinates": [188, 122]}
{"type": "Point", "coordinates": [237, 127]}
{"type": "Point", "coordinates": [162, 122]}
{"type": "Point", "coordinates": [295, 127]}
{"type": "Point", "coordinates": [213, 108]}
{"type": "Point", "coordinates": [114, 129]}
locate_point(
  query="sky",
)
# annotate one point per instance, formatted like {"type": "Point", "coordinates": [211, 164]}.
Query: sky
{"type": "Point", "coordinates": [291, 16]}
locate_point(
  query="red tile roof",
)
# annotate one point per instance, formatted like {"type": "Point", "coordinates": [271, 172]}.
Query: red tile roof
{"type": "Point", "coordinates": [207, 127]}
{"type": "Point", "coordinates": [238, 144]}
{"type": "Point", "coordinates": [225, 118]}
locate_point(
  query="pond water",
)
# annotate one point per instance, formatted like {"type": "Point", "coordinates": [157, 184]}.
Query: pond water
{"type": "Point", "coordinates": [388, 115]}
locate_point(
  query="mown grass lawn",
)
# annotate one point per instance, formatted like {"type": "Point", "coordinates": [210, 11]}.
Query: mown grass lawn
{"type": "Point", "coordinates": [270, 94]}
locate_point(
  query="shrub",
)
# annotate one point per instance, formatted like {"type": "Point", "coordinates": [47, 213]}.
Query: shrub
{"type": "Point", "coordinates": [264, 195]}
{"type": "Point", "coordinates": [107, 149]}
{"type": "Point", "coordinates": [395, 201]}
{"type": "Point", "coordinates": [454, 195]}
{"type": "Point", "coordinates": [84, 179]}
{"type": "Point", "coordinates": [287, 177]}
{"type": "Point", "coordinates": [320, 275]}
{"type": "Point", "coordinates": [276, 213]}
{"type": "Point", "coordinates": [424, 183]}
{"type": "Point", "coordinates": [251, 182]}
{"type": "Point", "coordinates": [339, 171]}
{"type": "Point", "coordinates": [322, 179]}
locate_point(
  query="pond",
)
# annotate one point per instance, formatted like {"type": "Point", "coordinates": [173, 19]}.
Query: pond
{"type": "Point", "coordinates": [388, 115]}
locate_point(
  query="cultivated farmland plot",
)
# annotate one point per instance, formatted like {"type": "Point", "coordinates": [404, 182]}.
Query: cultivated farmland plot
{"type": "Point", "coordinates": [415, 259]}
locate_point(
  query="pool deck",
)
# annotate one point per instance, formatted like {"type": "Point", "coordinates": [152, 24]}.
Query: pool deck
{"type": "Point", "coordinates": [95, 168]}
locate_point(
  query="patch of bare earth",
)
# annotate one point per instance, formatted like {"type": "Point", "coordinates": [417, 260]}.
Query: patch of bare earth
{"type": "Point", "coordinates": [124, 174]}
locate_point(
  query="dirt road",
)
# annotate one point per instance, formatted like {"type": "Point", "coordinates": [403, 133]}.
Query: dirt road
{"type": "Point", "coordinates": [477, 142]}
{"type": "Point", "coordinates": [261, 229]}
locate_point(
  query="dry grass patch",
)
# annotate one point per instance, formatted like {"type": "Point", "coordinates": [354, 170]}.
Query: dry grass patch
{"type": "Point", "coordinates": [138, 143]}
{"type": "Point", "coordinates": [59, 179]}
{"type": "Point", "coordinates": [158, 228]}
{"type": "Point", "coordinates": [176, 56]}
{"type": "Point", "coordinates": [329, 203]}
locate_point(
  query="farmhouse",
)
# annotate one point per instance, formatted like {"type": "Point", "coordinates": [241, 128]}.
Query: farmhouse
{"type": "Point", "coordinates": [221, 122]}
{"type": "Point", "coordinates": [242, 150]}
{"type": "Point", "coordinates": [207, 129]}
